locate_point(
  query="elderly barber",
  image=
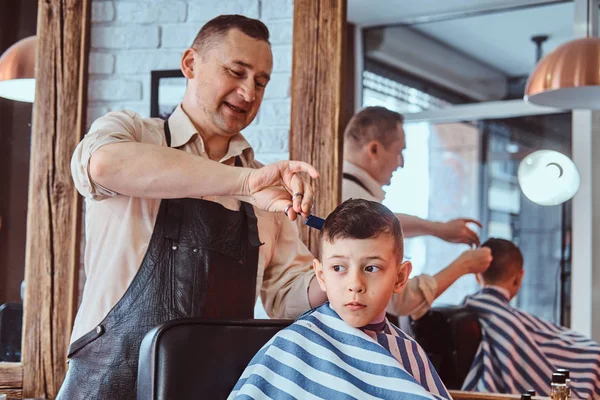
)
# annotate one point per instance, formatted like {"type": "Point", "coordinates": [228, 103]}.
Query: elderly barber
{"type": "Point", "coordinates": [181, 221]}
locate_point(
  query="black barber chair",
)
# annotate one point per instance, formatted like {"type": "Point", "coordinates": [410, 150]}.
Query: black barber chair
{"type": "Point", "coordinates": [450, 336]}
{"type": "Point", "coordinates": [199, 358]}
{"type": "Point", "coordinates": [11, 329]}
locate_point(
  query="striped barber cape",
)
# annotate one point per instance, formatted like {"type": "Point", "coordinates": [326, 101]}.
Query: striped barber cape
{"type": "Point", "coordinates": [321, 357]}
{"type": "Point", "coordinates": [519, 351]}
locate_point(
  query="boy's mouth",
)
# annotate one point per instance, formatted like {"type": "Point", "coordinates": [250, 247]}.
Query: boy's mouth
{"type": "Point", "coordinates": [354, 306]}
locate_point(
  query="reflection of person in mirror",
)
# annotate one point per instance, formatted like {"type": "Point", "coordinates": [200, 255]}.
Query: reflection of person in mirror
{"type": "Point", "coordinates": [331, 349]}
{"type": "Point", "coordinates": [181, 221]}
{"type": "Point", "coordinates": [520, 351]}
{"type": "Point", "coordinates": [374, 143]}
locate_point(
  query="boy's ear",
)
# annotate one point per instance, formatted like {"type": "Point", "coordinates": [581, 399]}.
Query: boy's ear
{"type": "Point", "coordinates": [480, 280]}
{"type": "Point", "coordinates": [318, 267]}
{"type": "Point", "coordinates": [404, 271]}
{"type": "Point", "coordinates": [519, 279]}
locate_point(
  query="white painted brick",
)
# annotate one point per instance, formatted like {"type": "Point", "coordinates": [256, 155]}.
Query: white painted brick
{"type": "Point", "coordinates": [276, 9]}
{"type": "Point", "coordinates": [179, 36]}
{"type": "Point", "coordinates": [133, 12]}
{"type": "Point", "coordinates": [268, 140]}
{"type": "Point", "coordinates": [125, 37]}
{"type": "Point", "coordinates": [142, 109]}
{"type": "Point", "coordinates": [114, 90]}
{"type": "Point", "coordinates": [275, 113]}
{"type": "Point", "coordinates": [282, 58]}
{"type": "Point", "coordinates": [204, 10]}
{"type": "Point", "coordinates": [101, 63]}
{"type": "Point", "coordinates": [134, 62]}
{"type": "Point", "coordinates": [281, 31]}
{"type": "Point", "coordinates": [95, 112]}
{"type": "Point", "coordinates": [278, 87]}
{"type": "Point", "coordinates": [103, 11]}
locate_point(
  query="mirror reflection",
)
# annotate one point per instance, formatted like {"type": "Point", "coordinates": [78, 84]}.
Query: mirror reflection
{"type": "Point", "coordinates": [456, 74]}
{"type": "Point", "coordinates": [17, 22]}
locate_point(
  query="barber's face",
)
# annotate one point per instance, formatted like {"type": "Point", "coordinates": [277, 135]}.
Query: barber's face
{"type": "Point", "coordinates": [227, 82]}
{"type": "Point", "coordinates": [390, 158]}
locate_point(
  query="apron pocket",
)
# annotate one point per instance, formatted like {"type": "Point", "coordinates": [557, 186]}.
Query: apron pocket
{"type": "Point", "coordinates": [85, 340]}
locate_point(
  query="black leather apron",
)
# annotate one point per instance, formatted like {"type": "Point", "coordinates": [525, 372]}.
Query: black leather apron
{"type": "Point", "coordinates": [201, 261]}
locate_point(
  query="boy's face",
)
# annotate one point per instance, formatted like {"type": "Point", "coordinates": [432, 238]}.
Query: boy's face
{"type": "Point", "coordinates": [360, 275]}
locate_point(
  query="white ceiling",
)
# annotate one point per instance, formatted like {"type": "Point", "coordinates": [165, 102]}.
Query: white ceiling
{"type": "Point", "coordinates": [500, 39]}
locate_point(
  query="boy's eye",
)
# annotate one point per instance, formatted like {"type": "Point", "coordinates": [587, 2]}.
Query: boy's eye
{"type": "Point", "coordinates": [372, 268]}
{"type": "Point", "coordinates": [338, 268]}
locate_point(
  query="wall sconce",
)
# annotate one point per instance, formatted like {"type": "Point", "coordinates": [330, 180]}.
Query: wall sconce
{"type": "Point", "coordinates": [17, 70]}
{"type": "Point", "coordinates": [548, 177]}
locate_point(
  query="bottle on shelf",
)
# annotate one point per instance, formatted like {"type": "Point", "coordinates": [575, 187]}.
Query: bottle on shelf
{"type": "Point", "coordinates": [558, 387]}
{"type": "Point", "coordinates": [566, 373]}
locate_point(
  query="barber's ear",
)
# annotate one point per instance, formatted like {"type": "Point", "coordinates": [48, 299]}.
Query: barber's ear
{"type": "Point", "coordinates": [373, 147]}
{"type": "Point", "coordinates": [403, 273]}
{"type": "Point", "coordinates": [188, 62]}
{"type": "Point", "coordinates": [318, 268]}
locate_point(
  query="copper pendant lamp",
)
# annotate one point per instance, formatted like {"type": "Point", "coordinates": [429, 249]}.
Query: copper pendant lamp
{"type": "Point", "coordinates": [17, 70]}
{"type": "Point", "coordinates": [568, 77]}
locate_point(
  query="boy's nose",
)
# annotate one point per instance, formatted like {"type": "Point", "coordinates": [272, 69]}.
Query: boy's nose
{"type": "Point", "coordinates": [356, 286]}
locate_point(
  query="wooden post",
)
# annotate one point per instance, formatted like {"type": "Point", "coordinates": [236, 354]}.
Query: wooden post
{"type": "Point", "coordinates": [315, 134]}
{"type": "Point", "coordinates": [53, 220]}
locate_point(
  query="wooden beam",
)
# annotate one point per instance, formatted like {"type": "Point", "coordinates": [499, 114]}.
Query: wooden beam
{"type": "Point", "coordinates": [12, 375]}
{"type": "Point", "coordinates": [53, 220]}
{"type": "Point", "coordinates": [11, 380]}
{"type": "Point", "coordinates": [315, 134]}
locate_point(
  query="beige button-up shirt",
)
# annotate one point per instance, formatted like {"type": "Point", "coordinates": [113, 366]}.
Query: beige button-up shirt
{"type": "Point", "coordinates": [418, 294]}
{"type": "Point", "coordinates": [118, 227]}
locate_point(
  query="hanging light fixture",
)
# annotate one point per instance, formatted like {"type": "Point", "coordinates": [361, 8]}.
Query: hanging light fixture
{"type": "Point", "coordinates": [17, 70]}
{"type": "Point", "coordinates": [569, 77]}
{"type": "Point", "coordinates": [548, 177]}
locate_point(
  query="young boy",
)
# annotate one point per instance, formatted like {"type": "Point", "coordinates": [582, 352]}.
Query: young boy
{"type": "Point", "coordinates": [346, 348]}
{"type": "Point", "coordinates": [519, 351]}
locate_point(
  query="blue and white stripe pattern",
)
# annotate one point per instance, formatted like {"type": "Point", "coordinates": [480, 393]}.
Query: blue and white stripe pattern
{"type": "Point", "coordinates": [520, 351]}
{"type": "Point", "coordinates": [321, 357]}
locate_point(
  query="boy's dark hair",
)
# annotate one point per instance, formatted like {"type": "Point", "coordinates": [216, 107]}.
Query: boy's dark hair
{"type": "Point", "coordinates": [219, 26]}
{"type": "Point", "coordinates": [507, 260]}
{"type": "Point", "coordinates": [363, 219]}
{"type": "Point", "coordinates": [373, 123]}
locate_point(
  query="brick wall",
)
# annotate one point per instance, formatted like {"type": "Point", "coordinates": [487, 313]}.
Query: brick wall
{"type": "Point", "coordinates": [131, 38]}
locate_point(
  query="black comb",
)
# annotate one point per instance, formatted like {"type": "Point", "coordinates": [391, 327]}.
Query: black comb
{"type": "Point", "coordinates": [315, 222]}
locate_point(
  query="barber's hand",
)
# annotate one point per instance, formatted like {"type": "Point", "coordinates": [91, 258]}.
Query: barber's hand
{"type": "Point", "coordinates": [457, 231]}
{"type": "Point", "coordinates": [272, 187]}
{"type": "Point", "coordinates": [475, 261]}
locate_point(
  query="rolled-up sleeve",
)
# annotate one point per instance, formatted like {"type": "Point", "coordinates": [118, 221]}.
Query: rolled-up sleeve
{"type": "Point", "coordinates": [286, 279]}
{"type": "Point", "coordinates": [121, 126]}
{"type": "Point", "coordinates": [416, 297]}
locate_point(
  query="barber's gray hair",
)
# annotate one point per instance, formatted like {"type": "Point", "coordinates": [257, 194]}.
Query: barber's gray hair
{"type": "Point", "coordinates": [373, 123]}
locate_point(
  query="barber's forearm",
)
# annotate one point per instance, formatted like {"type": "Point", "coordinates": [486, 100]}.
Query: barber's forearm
{"type": "Point", "coordinates": [145, 170]}
{"type": "Point", "coordinates": [448, 276]}
{"type": "Point", "coordinates": [316, 296]}
{"type": "Point", "coordinates": [414, 226]}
